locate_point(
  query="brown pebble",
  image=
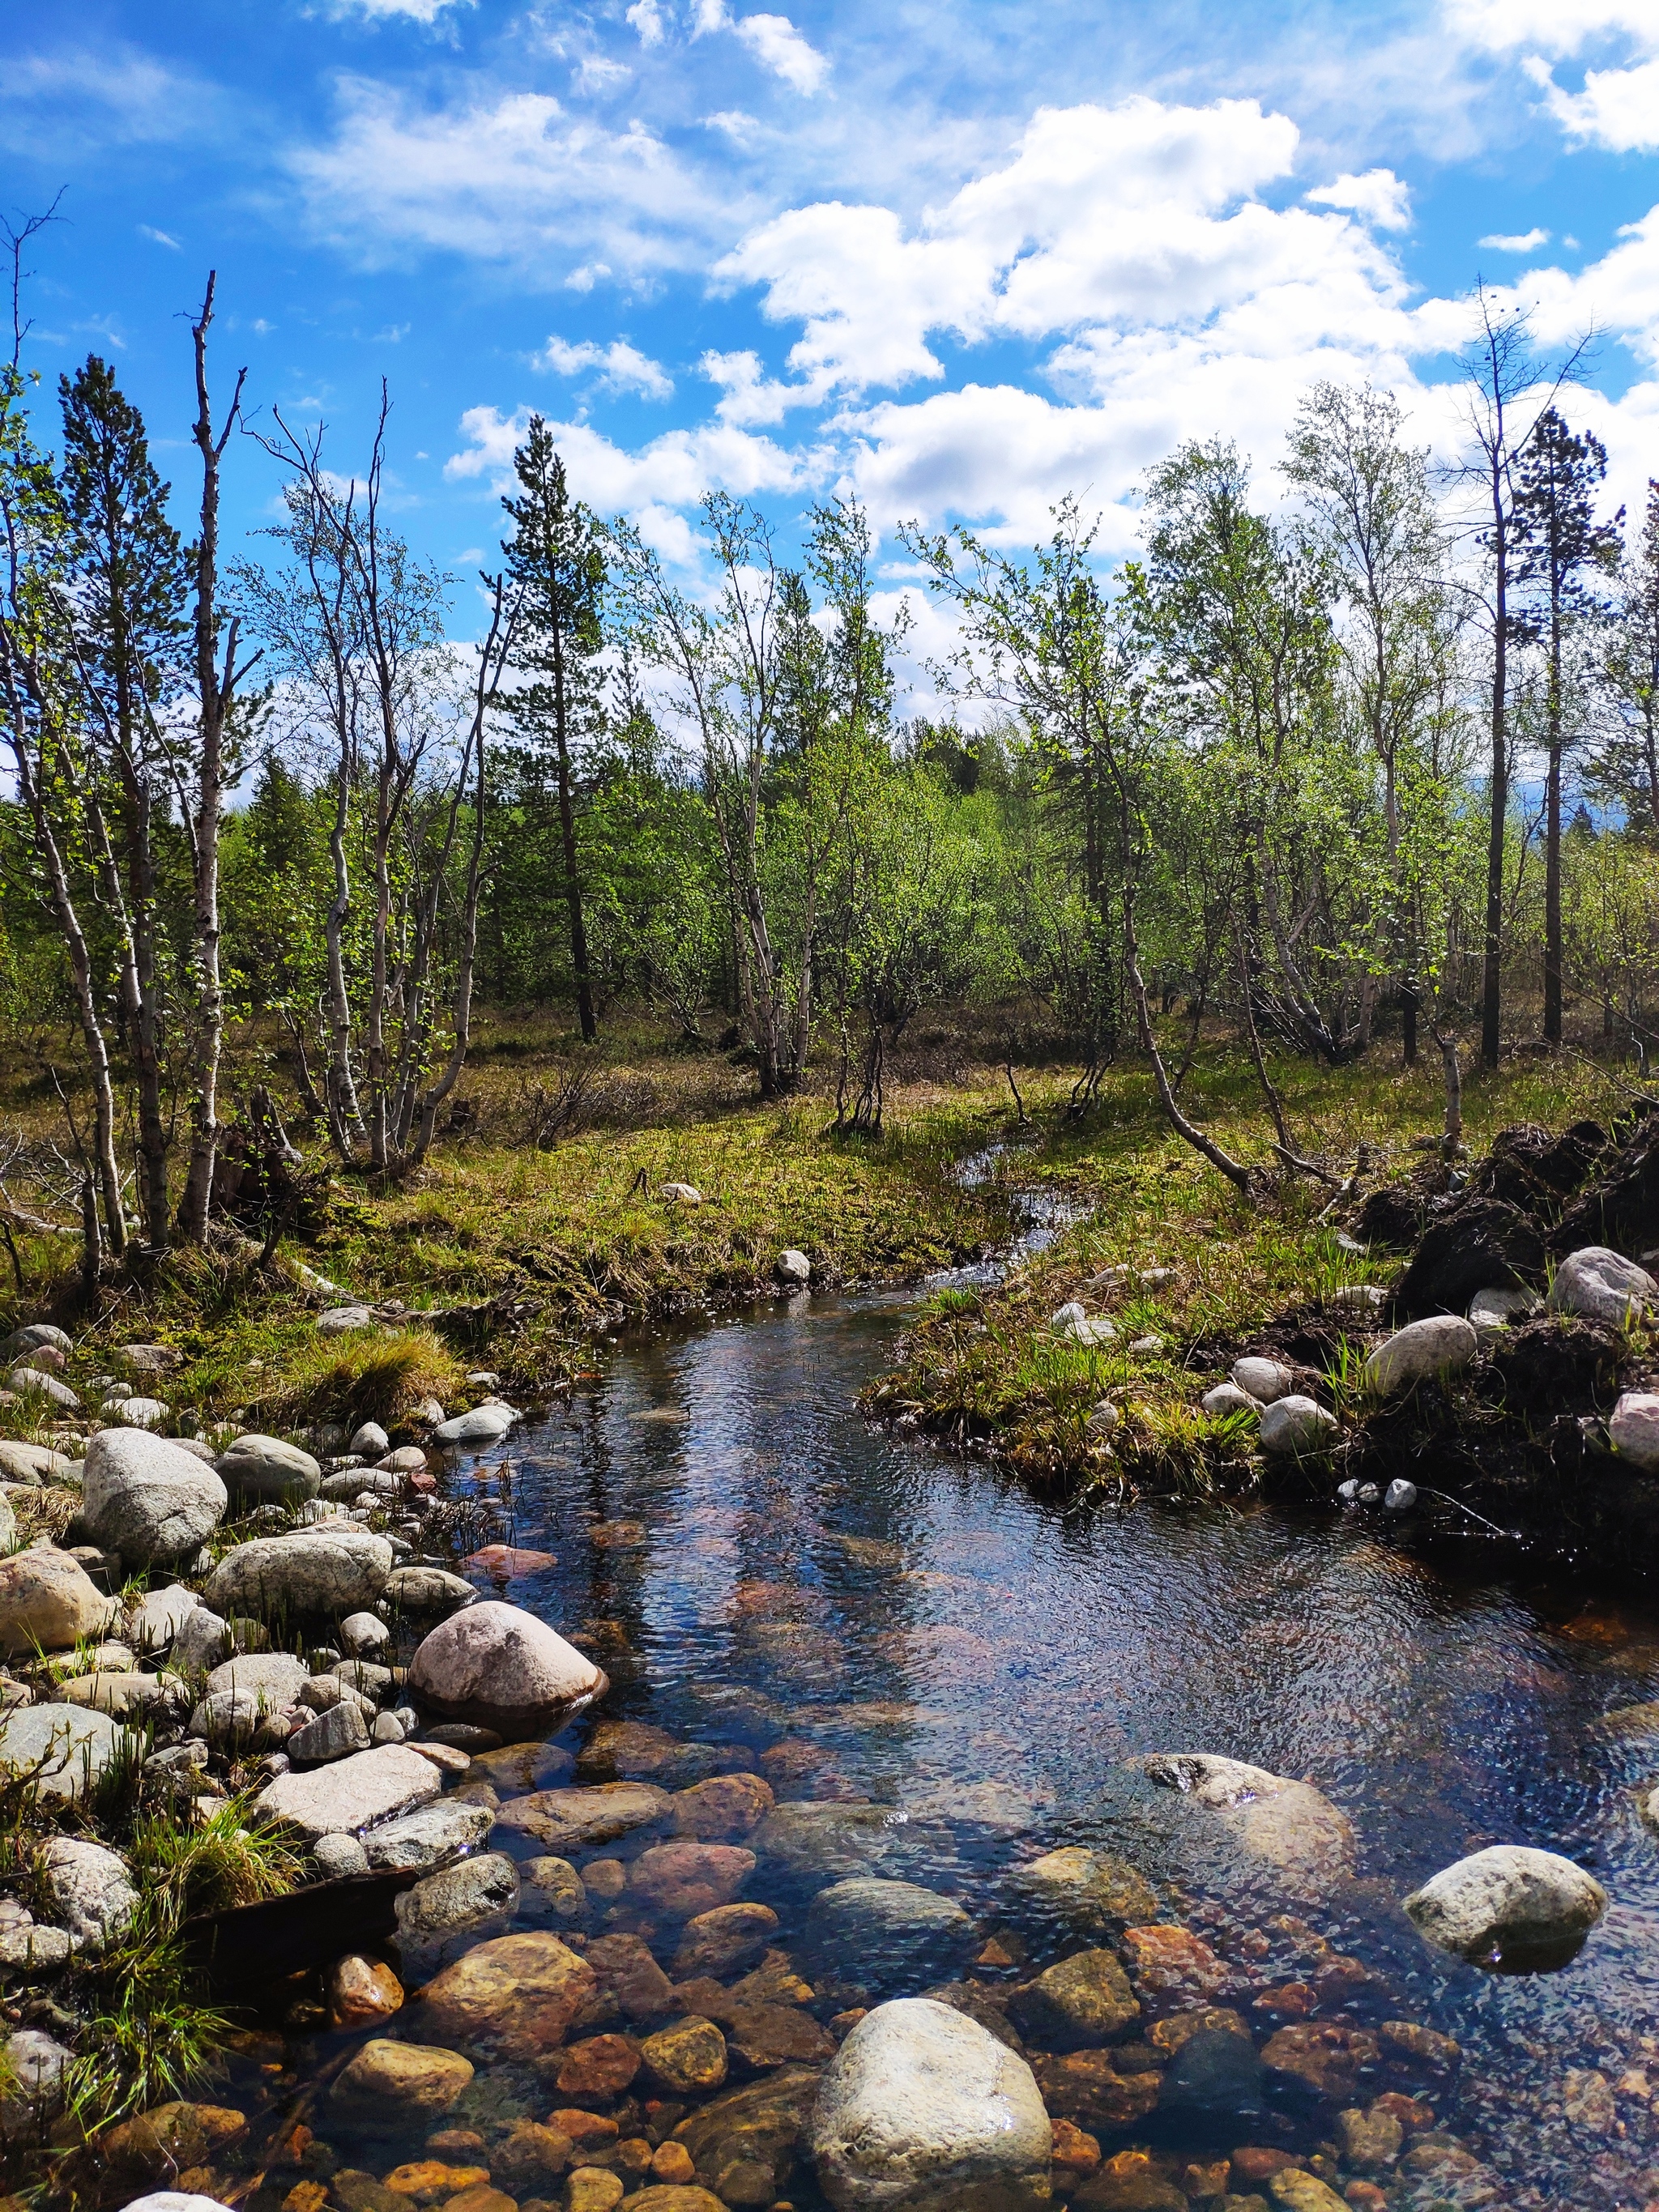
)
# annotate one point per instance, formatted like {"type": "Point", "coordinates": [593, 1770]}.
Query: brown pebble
{"type": "Point", "coordinates": [671, 2162]}
{"type": "Point", "coordinates": [305, 2196]}
{"type": "Point", "coordinates": [363, 1991]}
{"type": "Point", "coordinates": [481, 2197]}
{"type": "Point", "coordinates": [584, 2130]}
{"type": "Point", "coordinates": [1075, 2152]}
{"type": "Point", "coordinates": [605, 1878]}
{"type": "Point", "coordinates": [454, 2143]}
{"type": "Point", "coordinates": [995, 1956]}
{"type": "Point", "coordinates": [634, 2154]}
{"type": "Point", "coordinates": [598, 2066]}
{"type": "Point", "coordinates": [433, 2181]}
{"type": "Point", "coordinates": [1255, 2162]}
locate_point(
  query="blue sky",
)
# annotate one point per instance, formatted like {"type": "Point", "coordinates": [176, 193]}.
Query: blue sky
{"type": "Point", "coordinates": [959, 258]}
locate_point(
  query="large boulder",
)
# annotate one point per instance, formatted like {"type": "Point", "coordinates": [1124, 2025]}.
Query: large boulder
{"type": "Point", "coordinates": [1194, 1817]}
{"type": "Point", "coordinates": [157, 1618]}
{"type": "Point", "coordinates": [1511, 1908]}
{"type": "Point", "coordinates": [34, 1336]}
{"type": "Point", "coordinates": [501, 1667]}
{"type": "Point", "coordinates": [352, 1794]}
{"type": "Point", "coordinates": [922, 2110]}
{"type": "Point", "coordinates": [1634, 1429]}
{"type": "Point", "coordinates": [428, 1836]}
{"type": "Point", "coordinates": [149, 1499]}
{"type": "Point", "coordinates": [1080, 1892]}
{"type": "Point", "coordinates": [449, 1911]}
{"type": "Point", "coordinates": [48, 1601]}
{"type": "Point", "coordinates": [819, 1843]}
{"type": "Point", "coordinates": [327, 1571]}
{"type": "Point", "coordinates": [63, 1748]}
{"type": "Point", "coordinates": [1422, 1352]}
{"type": "Point", "coordinates": [92, 1893]}
{"type": "Point", "coordinates": [32, 1463]}
{"type": "Point", "coordinates": [1600, 1285]}
{"type": "Point", "coordinates": [513, 1999]}
{"type": "Point", "coordinates": [883, 1935]}
{"type": "Point", "coordinates": [264, 1470]}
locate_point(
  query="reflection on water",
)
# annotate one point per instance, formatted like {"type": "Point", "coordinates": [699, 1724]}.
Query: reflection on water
{"type": "Point", "coordinates": [933, 1637]}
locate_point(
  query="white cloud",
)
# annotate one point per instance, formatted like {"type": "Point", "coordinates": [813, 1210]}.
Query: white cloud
{"type": "Point", "coordinates": [1556, 27]}
{"type": "Point", "coordinates": [133, 100]}
{"type": "Point", "coordinates": [646, 17]}
{"type": "Point", "coordinates": [1129, 215]}
{"type": "Point", "coordinates": [381, 11]}
{"type": "Point", "coordinates": [1520, 241]}
{"type": "Point", "coordinates": [1618, 108]}
{"type": "Point", "coordinates": [623, 366]}
{"type": "Point", "coordinates": [740, 128]}
{"type": "Point", "coordinates": [1379, 198]}
{"type": "Point", "coordinates": [599, 73]}
{"type": "Point", "coordinates": [514, 178]}
{"type": "Point", "coordinates": [673, 470]}
{"type": "Point", "coordinates": [777, 46]}
{"type": "Point", "coordinates": [160, 238]}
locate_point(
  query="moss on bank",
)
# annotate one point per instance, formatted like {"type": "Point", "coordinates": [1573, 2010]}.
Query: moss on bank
{"type": "Point", "coordinates": [1188, 1273]}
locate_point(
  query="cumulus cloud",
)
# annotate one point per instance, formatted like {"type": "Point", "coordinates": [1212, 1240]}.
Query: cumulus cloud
{"type": "Point", "coordinates": [673, 470]}
{"type": "Point", "coordinates": [1378, 197]}
{"type": "Point", "coordinates": [1618, 108]}
{"type": "Point", "coordinates": [775, 42]}
{"type": "Point", "coordinates": [646, 17]}
{"type": "Point", "coordinates": [1519, 241]}
{"type": "Point", "coordinates": [622, 367]}
{"type": "Point", "coordinates": [512, 178]}
{"type": "Point", "coordinates": [1554, 27]}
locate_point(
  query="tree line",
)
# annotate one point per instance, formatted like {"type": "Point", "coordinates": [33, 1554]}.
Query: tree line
{"type": "Point", "coordinates": [1305, 767]}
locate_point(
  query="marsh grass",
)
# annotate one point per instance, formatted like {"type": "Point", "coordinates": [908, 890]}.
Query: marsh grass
{"type": "Point", "coordinates": [985, 1367]}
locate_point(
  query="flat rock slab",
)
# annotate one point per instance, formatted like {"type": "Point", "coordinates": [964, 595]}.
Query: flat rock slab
{"type": "Point", "coordinates": [69, 1745]}
{"type": "Point", "coordinates": [431, 1835]}
{"type": "Point", "coordinates": [353, 1794]}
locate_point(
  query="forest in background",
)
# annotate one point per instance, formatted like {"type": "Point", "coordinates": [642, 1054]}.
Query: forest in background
{"type": "Point", "coordinates": [1358, 758]}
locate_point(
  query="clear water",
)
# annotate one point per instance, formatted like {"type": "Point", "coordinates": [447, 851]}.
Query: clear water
{"type": "Point", "coordinates": [784, 1543]}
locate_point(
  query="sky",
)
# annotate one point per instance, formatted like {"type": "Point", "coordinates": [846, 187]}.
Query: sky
{"type": "Point", "coordinates": [957, 260]}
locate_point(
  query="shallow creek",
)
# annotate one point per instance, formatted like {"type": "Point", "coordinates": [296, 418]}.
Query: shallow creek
{"type": "Point", "coordinates": [754, 1564]}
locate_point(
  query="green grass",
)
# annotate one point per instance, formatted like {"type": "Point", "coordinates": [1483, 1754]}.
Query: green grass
{"type": "Point", "coordinates": [984, 1365]}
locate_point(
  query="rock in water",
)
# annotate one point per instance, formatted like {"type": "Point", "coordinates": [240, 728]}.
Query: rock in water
{"type": "Point", "coordinates": [1193, 1816]}
{"type": "Point", "coordinates": [1297, 1428]}
{"type": "Point", "coordinates": [48, 1601]}
{"type": "Point", "coordinates": [1634, 1429]}
{"type": "Point", "coordinates": [1513, 1909]}
{"type": "Point", "coordinates": [1602, 1286]}
{"type": "Point", "coordinates": [1086, 1892]}
{"type": "Point", "coordinates": [328, 1570]}
{"type": "Point", "coordinates": [878, 1933]}
{"type": "Point", "coordinates": [392, 2086]}
{"type": "Point", "coordinates": [923, 2111]}
{"type": "Point", "coordinates": [264, 1470]}
{"type": "Point", "coordinates": [514, 1998]}
{"type": "Point", "coordinates": [498, 1666]}
{"type": "Point", "coordinates": [792, 1266]}
{"type": "Point", "coordinates": [149, 1499]}
{"type": "Point", "coordinates": [1084, 2000]}
{"type": "Point", "coordinates": [1422, 1352]}
{"type": "Point", "coordinates": [92, 1893]}
{"type": "Point", "coordinates": [352, 1794]}
{"type": "Point", "coordinates": [1212, 2091]}
{"type": "Point", "coordinates": [742, 2143]}
{"type": "Point", "coordinates": [485, 1425]}
{"type": "Point", "coordinates": [449, 1912]}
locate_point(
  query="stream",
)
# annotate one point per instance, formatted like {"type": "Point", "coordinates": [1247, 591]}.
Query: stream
{"type": "Point", "coordinates": [751, 1560]}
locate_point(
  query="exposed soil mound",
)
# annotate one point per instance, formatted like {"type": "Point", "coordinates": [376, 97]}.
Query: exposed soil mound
{"type": "Point", "coordinates": [1481, 1244]}
{"type": "Point", "coordinates": [1621, 1207]}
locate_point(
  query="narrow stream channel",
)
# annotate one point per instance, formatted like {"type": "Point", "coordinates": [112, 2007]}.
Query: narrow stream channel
{"type": "Point", "coordinates": [753, 1564]}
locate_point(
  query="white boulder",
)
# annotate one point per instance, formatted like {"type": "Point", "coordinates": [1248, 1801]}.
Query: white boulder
{"type": "Point", "coordinates": [266, 1471]}
{"type": "Point", "coordinates": [1422, 1352]}
{"type": "Point", "coordinates": [328, 1570]}
{"type": "Point", "coordinates": [485, 1425]}
{"type": "Point", "coordinates": [1600, 1285]}
{"type": "Point", "coordinates": [352, 1794]}
{"type": "Point", "coordinates": [1297, 1428]}
{"type": "Point", "coordinates": [792, 1266]}
{"type": "Point", "coordinates": [149, 1499]}
{"type": "Point", "coordinates": [63, 1747]}
{"type": "Point", "coordinates": [369, 1441]}
{"type": "Point", "coordinates": [501, 1667]}
{"type": "Point", "coordinates": [1265, 1380]}
{"type": "Point", "coordinates": [1509, 1907]}
{"type": "Point", "coordinates": [138, 1412]}
{"type": "Point", "coordinates": [1634, 1429]}
{"type": "Point", "coordinates": [92, 1893]}
{"type": "Point", "coordinates": [343, 1320]}
{"type": "Point", "coordinates": [922, 2110]}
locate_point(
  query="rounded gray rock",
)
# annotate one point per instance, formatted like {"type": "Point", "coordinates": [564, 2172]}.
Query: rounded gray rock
{"type": "Point", "coordinates": [72, 1745]}
{"type": "Point", "coordinates": [922, 2110]}
{"type": "Point", "coordinates": [869, 1931]}
{"type": "Point", "coordinates": [1509, 1907]}
{"type": "Point", "coordinates": [32, 1337]}
{"type": "Point", "coordinates": [1228, 1397]}
{"type": "Point", "coordinates": [1422, 1352]}
{"type": "Point", "coordinates": [1295, 1427]}
{"type": "Point", "coordinates": [497, 1665]}
{"type": "Point", "coordinates": [485, 1425]}
{"type": "Point", "coordinates": [369, 1441]}
{"type": "Point", "coordinates": [1634, 1429]}
{"type": "Point", "coordinates": [149, 1499]}
{"type": "Point", "coordinates": [339, 1857]}
{"type": "Point", "coordinates": [92, 1893]}
{"type": "Point", "coordinates": [1601, 1285]}
{"type": "Point", "coordinates": [427, 1591]}
{"type": "Point", "coordinates": [330, 1570]}
{"type": "Point", "coordinates": [264, 1470]}
{"type": "Point", "coordinates": [792, 1266]}
{"type": "Point", "coordinates": [1264, 1379]}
